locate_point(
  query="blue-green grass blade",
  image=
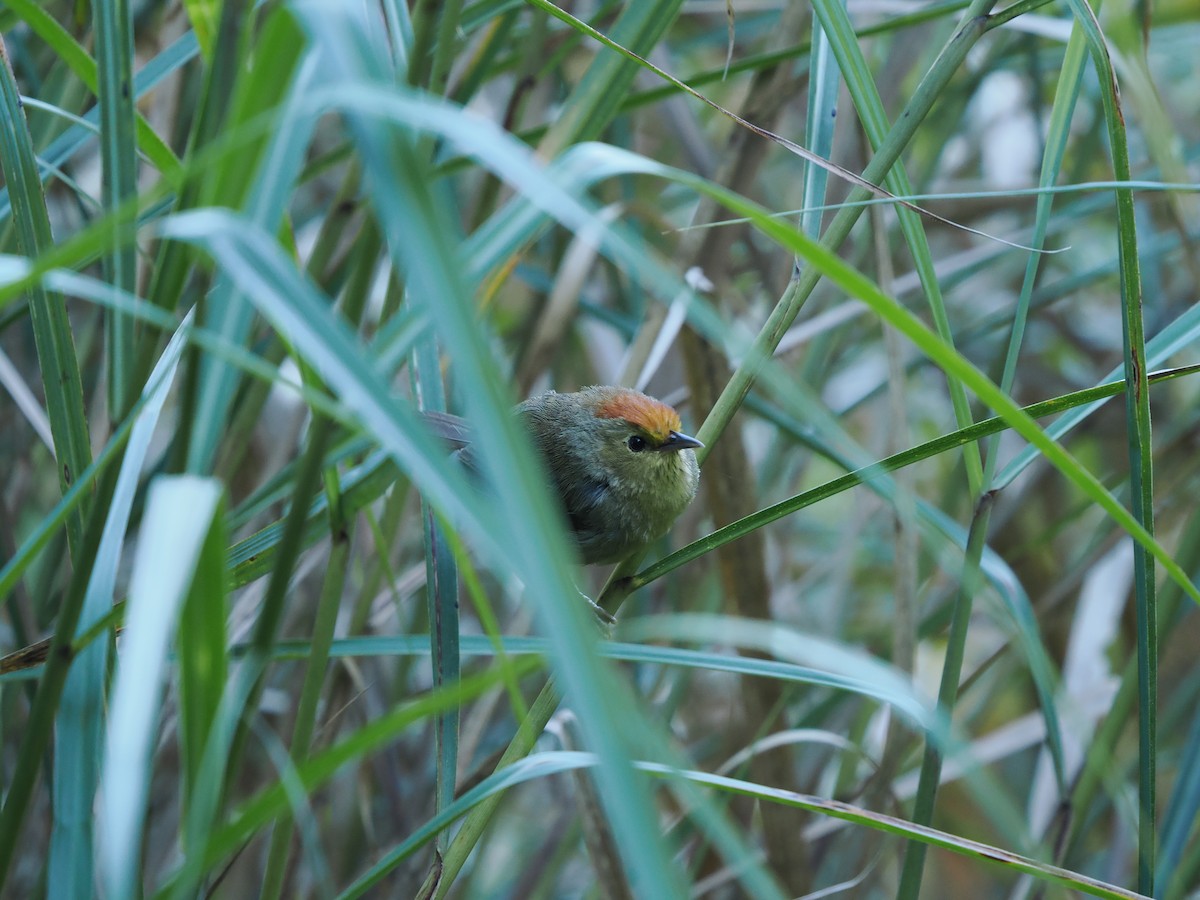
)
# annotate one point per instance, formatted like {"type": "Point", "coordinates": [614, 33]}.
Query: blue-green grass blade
{"type": "Point", "coordinates": [1180, 817]}
{"type": "Point", "coordinates": [80, 721]}
{"type": "Point", "coordinates": [824, 80]}
{"type": "Point", "coordinates": [171, 548]}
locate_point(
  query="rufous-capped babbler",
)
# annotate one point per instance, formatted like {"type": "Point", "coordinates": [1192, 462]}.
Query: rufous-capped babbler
{"type": "Point", "coordinates": [616, 458]}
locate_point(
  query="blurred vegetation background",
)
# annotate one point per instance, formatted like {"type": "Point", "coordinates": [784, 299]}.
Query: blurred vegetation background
{"type": "Point", "coordinates": [266, 640]}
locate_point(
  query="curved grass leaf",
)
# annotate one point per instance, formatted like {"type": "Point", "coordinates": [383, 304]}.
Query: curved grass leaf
{"type": "Point", "coordinates": [543, 765]}
{"type": "Point", "coordinates": [79, 723]}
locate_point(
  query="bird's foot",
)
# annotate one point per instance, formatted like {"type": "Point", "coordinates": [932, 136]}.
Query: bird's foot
{"type": "Point", "coordinates": [604, 619]}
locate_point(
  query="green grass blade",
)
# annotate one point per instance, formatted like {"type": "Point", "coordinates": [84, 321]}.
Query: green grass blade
{"type": "Point", "coordinates": [113, 27]}
{"type": "Point", "coordinates": [441, 595]}
{"type": "Point", "coordinates": [894, 825]}
{"type": "Point", "coordinates": [863, 475]}
{"type": "Point", "coordinates": [205, 16]}
{"type": "Point", "coordinates": [1141, 451]}
{"type": "Point", "coordinates": [47, 309]}
{"type": "Point", "coordinates": [551, 763]}
{"type": "Point", "coordinates": [202, 656]}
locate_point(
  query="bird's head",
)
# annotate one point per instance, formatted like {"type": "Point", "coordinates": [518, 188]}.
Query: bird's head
{"type": "Point", "coordinates": [642, 439]}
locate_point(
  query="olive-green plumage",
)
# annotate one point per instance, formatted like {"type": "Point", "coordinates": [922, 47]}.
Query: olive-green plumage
{"type": "Point", "coordinates": [619, 464]}
{"type": "Point", "coordinates": [616, 459]}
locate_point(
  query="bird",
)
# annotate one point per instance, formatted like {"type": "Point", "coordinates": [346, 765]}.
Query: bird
{"type": "Point", "coordinates": [617, 460]}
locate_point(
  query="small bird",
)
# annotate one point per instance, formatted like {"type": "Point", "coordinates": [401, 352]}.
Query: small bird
{"type": "Point", "coordinates": [616, 458]}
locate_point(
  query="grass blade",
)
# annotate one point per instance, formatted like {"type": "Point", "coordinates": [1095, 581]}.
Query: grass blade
{"type": "Point", "coordinates": [80, 721]}
{"type": "Point", "coordinates": [168, 557]}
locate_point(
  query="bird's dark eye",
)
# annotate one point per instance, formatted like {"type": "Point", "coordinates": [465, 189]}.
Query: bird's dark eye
{"type": "Point", "coordinates": [636, 443]}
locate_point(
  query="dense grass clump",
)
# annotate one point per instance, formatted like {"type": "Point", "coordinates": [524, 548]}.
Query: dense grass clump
{"type": "Point", "coordinates": [922, 278]}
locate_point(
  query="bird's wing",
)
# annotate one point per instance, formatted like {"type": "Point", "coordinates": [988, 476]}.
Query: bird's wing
{"type": "Point", "coordinates": [581, 497]}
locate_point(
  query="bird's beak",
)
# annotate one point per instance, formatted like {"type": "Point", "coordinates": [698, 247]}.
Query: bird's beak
{"type": "Point", "coordinates": [676, 441]}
